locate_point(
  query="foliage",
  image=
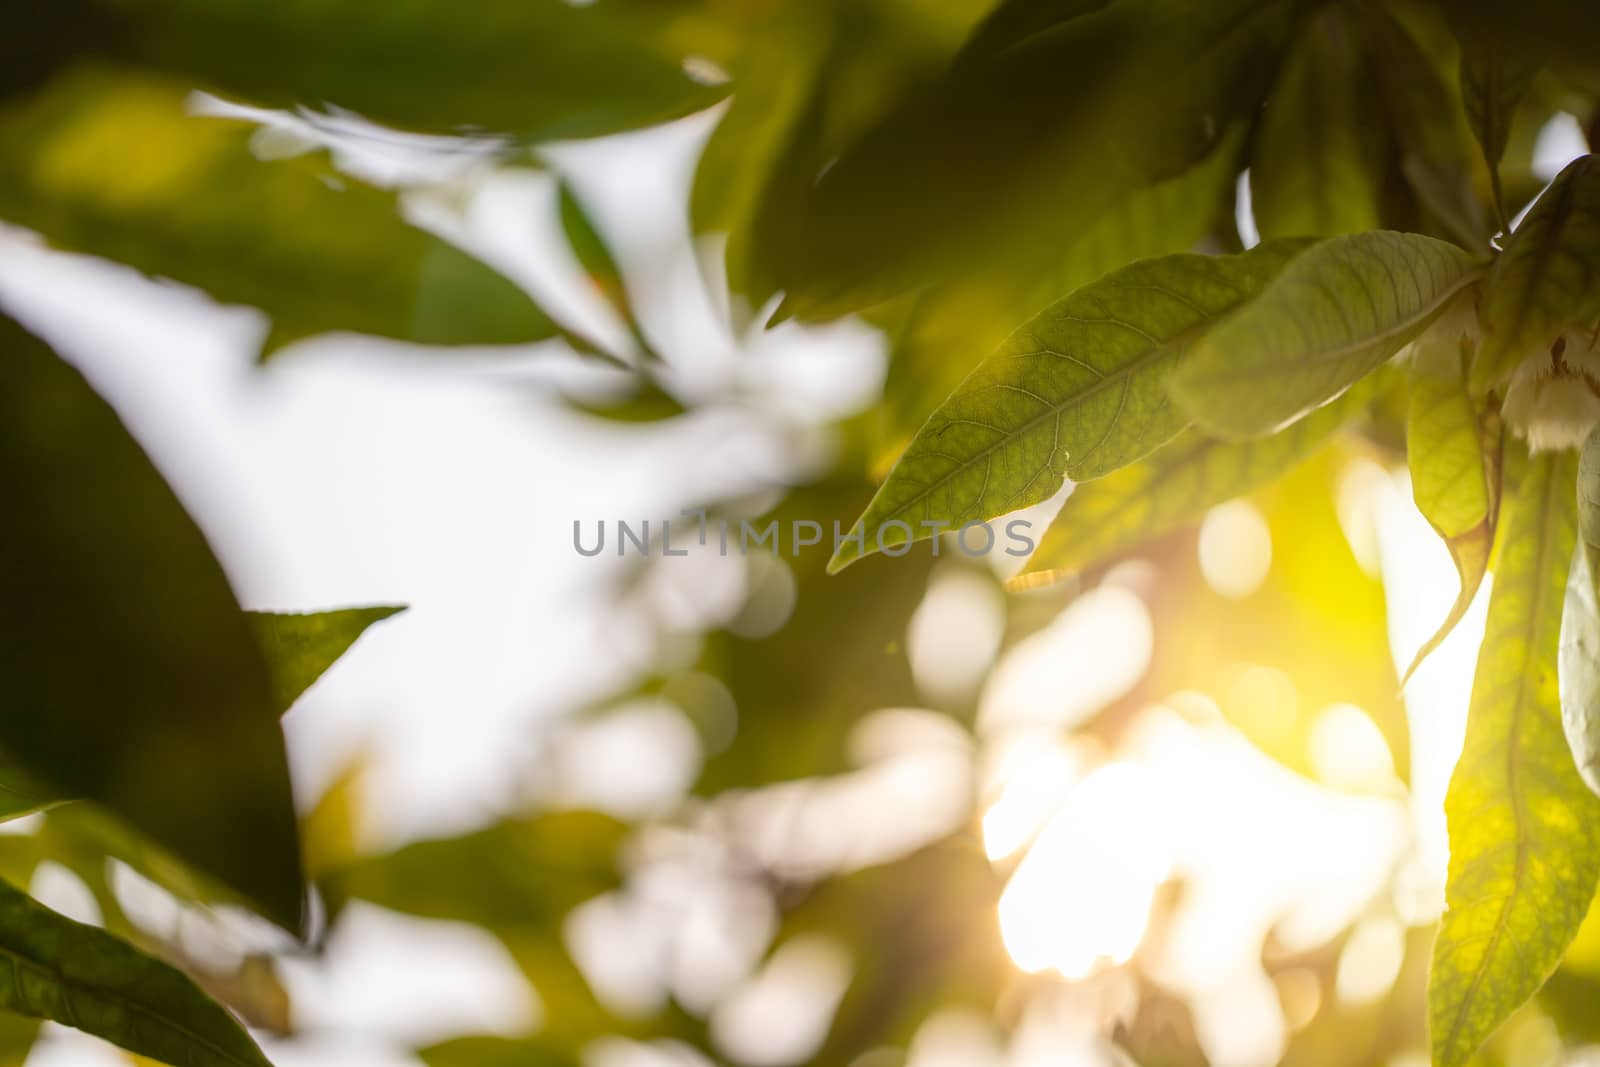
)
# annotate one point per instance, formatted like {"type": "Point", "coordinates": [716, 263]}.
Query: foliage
{"type": "Point", "coordinates": [1036, 200]}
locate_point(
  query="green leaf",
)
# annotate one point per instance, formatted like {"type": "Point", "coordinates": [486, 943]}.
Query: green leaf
{"type": "Point", "coordinates": [1524, 829]}
{"type": "Point", "coordinates": [893, 214]}
{"type": "Point", "coordinates": [85, 978]}
{"type": "Point", "coordinates": [1454, 443]}
{"type": "Point", "coordinates": [1579, 661]}
{"type": "Point", "coordinates": [486, 1051]}
{"type": "Point", "coordinates": [1544, 281]}
{"type": "Point", "coordinates": [300, 647]}
{"type": "Point", "coordinates": [1316, 167]}
{"type": "Point", "coordinates": [1175, 487]}
{"type": "Point", "coordinates": [111, 165]}
{"type": "Point", "coordinates": [534, 69]}
{"type": "Point", "coordinates": [1077, 392]}
{"type": "Point", "coordinates": [952, 326]}
{"type": "Point", "coordinates": [1333, 315]}
{"type": "Point", "coordinates": [1493, 82]}
{"type": "Point", "coordinates": [129, 675]}
{"type": "Point", "coordinates": [599, 266]}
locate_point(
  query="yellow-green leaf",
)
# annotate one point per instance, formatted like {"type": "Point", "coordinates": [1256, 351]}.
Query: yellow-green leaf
{"type": "Point", "coordinates": [1334, 314]}
{"type": "Point", "coordinates": [1454, 442]}
{"type": "Point", "coordinates": [1493, 82]}
{"type": "Point", "coordinates": [1078, 391]}
{"type": "Point", "coordinates": [112, 165]}
{"type": "Point", "coordinates": [81, 976]}
{"type": "Point", "coordinates": [1545, 281]}
{"type": "Point", "coordinates": [1175, 487]}
{"type": "Point", "coordinates": [300, 647]}
{"type": "Point", "coordinates": [1524, 829]}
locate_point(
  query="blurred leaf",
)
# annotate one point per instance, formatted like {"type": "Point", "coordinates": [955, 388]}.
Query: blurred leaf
{"type": "Point", "coordinates": [129, 674]}
{"type": "Point", "coordinates": [928, 938]}
{"type": "Point", "coordinates": [516, 873]}
{"type": "Point", "coordinates": [488, 1051]}
{"type": "Point", "coordinates": [17, 1035]}
{"type": "Point", "coordinates": [533, 69]}
{"type": "Point", "coordinates": [1524, 830]}
{"type": "Point", "coordinates": [1543, 283]}
{"type": "Point", "coordinates": [1453, 443]}
{"type": "Point", "coordinates": [599, 266]}
{"type": "Point", "coordinates": [813, 76]}
{"type": "Point", "coordinates": [1078, 391]}
{"type": "Point", "coordinates": [1333, 315]}
{"type": "Point", "coordinates": [87, 979]}
{"type": "Point", "coordinates": [111, 165]}
{"type": "Point", "coordinates": [300, 647]}
{"type": "Point", "coordinates": [1493, 83]}
{"type": "Point", "coordinates": [953, 326]}
{"type": "Point", "coordinates": [893, 214]}
{"type": "Point", "coordinates": [1176, 486]}
{"type": "Point", "coordinates": [1315, 168]}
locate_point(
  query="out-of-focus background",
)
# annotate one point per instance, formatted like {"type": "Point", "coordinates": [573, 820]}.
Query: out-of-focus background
{"type": "Point", "coordinates": [723, 809]}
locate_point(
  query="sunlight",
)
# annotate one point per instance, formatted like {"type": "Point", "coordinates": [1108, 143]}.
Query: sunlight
{"type": "Point", "coordinates": [1081, 897]}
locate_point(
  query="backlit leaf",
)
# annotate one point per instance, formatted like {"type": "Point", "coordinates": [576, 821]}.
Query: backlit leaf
{"type": "Point", "coordinates": [1544, 281]}
{"type": "Point", "coordinates": [1175, 487]}
{"type": "Point", "coordinates": [300, 647]}
{"type": "Point", "coordinates": [1524, 829]}
{"type": "Point", "coordinates": [1334, 314]}
{"type": "Point", "coordinates": [128, 674]}
{"type": "Point", "coordinates": [1453, 443]}
{"type": "Point", "coordinates": [111, 165]}
{"type": "Point", "coordinates": [85, 978]}
{"type": "Point", "coordinates": [1077, 392]}
{"type": "Point", "coordinates": [1316, 165]}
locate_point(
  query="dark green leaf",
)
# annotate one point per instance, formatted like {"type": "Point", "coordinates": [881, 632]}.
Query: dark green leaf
{"type": "Point", "coordinates": [1493, 82]}
{"type": "Point", "coordinates": [1334, 314]}
{"type": "Point", "coordinates": [1544, 281]}
{"type": "Point", "coordinates": [1077, 392]}
{"type": "Point", "coordinates": [128, 673]}
{"type": "Point", "coordinates": [599, 266]}
{"type": "Point", "coordinates": [1175, 486]}
{"type": "Point", "coordinates": [300, 647]}
{"type": "Point", "coordinates": [528, 68]}
{"type": "Point", "coordinates": [85, 978]}
{"type": "Point", "coordinates": [1524, 829]}
{"type": "Point", "coordinates": [895, 212]}
{"type": "Point", "coordinates": [111, 165]}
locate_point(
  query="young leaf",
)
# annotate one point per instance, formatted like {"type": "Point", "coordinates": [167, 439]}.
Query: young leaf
{"type": "Point", "coordinates": [1524, 829]}
{"type": "Point", "coordinates": [1544, 281]}
{"type": "Point", "coordinates": [1453, 443]}
{"type": "Point", "coordinates": [1175, 487]}
{"type": "Point", "coordinates": [112, 166]}
{"type": "Point", "coordinates": [1076, 392]}
{"type": "Point", "coordinates": [1579, 661]}
{"type": "Point", "coordinates": [300, 647]}
{"type": "Point", "coordinates": [1316, 166]}
{"type": "Point", "coordinates": [128, 674]}
{"type": "Point", "coordinates": [85, 978]}
{"type": "Point", "coordinates": [1334, 314]}
{"type": "Point", "coordinates": [1493, 83]}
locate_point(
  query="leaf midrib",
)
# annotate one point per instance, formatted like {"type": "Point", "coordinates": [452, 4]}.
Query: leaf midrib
{"type": "Point", "coordinates": [22, 959]}
{"type": "Point", "coordinates": [1513, 759]}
